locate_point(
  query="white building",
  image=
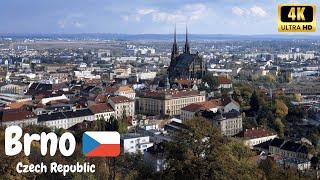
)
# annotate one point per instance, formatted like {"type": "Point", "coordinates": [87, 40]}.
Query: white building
{"type": "Point", "coordinates": [134, 143]}
{"type": "Point", "coordinates": [146, 75]}
{"type": "Point", "coordinates": [65, 119]}
{"type": "Point", "coordinates": [102, 110]}
{"type": "Point", "coordinates": [13, 88]}
{"type": "Point", "coordinates": [56, 98]}
{"type": "Point", "coordinates": [85, 75]}
{"type": "Point", "coordinates": [254, 136]}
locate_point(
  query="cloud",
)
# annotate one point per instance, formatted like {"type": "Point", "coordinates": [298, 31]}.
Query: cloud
{"type": "Point", "coordinates": [258, 11]}
{"type": "Point", "coordinates": [186, 13]}
{"type": "Point", "coordinates": [71, 20]}
{"type": "Point", "coordinates": [252, 11]}
{"type": "Point", "coordinates": [145, 11]}
{"type": "Point", "coordinates": [167, 17]}
{"type": "Point", "coordinates": [238, 11]}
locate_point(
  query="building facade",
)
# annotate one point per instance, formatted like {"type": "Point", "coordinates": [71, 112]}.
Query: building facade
{"type": "Point", "coordinates": [229, 123]}
{"type": "Point", "coordinates": [254, 136]}
{"type": "Point", "coordinates": [65, 119]}
{"type": "Point", "coordinates": [18, 117]}
{"type": "Point", "coordinates": [122, 106]}
{"type": "Point", "coordinates": [134, 143]}
{"type": "Point", "coordinates": [167, 102]}
{"type": "Point", "coordinates": [102, 111]}
{"type": "Point", "coordinates": [288, 149]}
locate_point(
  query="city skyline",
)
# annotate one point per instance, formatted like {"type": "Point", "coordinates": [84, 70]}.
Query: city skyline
{"type": "Point", "coordinates": [140, 17]}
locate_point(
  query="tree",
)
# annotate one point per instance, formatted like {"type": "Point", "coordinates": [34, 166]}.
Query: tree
{"type": "Point", "coordinates": [201, 152]}
{"type": "Point", "coordinates": [279, 126]}
{"type": "Point", "coordinates": [122, 126]}
{"type": "Point", "coordinates": [270, 169]}
{"type": "Point", "coordinates": [254, 102]}
{"type": "Point", "coordinates": [112, 124]}
{"type": "Point", "coordinates": [249, 122]}
{"type": "Point", "coordinates": [281, 108]}
{"type": "Point", "coordinates": [297, 97]}
{"type": "Point", "coordinates": [212, 81]}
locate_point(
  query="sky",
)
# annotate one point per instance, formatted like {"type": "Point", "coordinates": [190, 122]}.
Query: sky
{"type": "Point", "coordinates": [248, 17]}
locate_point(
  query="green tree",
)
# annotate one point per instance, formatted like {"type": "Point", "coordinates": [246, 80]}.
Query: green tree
{"type": "Point", "coordinates": [201, 152]}
{"type": "Point", "coordinates": [279, 126]}
{"type": "Point", "coordinates": [254, 102]}
{"type": "Point", "coordinates": [112, 124]}
{"type": "Point", "coordinates": [212, 81]}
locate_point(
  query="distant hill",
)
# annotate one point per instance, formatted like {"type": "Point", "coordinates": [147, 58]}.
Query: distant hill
{"type": "Point", "coordinates": [161, 37]}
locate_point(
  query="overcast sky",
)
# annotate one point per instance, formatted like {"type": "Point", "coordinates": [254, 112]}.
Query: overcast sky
{"type": "Point", "coordinates": [141, 16]}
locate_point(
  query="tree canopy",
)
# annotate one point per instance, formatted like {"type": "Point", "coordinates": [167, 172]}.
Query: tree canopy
{"type": "Point", "coordinates": [201, 152]}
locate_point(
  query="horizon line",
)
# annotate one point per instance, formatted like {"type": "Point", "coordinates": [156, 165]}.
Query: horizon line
{"type": "Point", "coordinates": [90, 33]}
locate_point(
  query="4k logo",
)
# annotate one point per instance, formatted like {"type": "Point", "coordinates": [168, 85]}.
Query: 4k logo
{"type": "Point", "coordinates": [296, 18]}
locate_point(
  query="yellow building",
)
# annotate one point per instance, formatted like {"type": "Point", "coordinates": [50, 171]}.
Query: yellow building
{"type": "Point", "coordinates": [167, 102]}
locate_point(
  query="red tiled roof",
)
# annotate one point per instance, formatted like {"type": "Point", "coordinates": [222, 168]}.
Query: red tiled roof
{"type": "Point", "coordinates": [101, 98]}
{"type": "Point", "coordinates": [210, 104]}
{"type": "Point", "coordinates": [256, 133]}
{"type": "Point", "coordinates": [120, 99]}
{"type": "Point", "coordinates": [100, 108]}
{"type": "Point", "coordinates": [224, 80]}
{"type": "Point", "coordinates": [194, 107]}
{"type": "Point", "coordinates": [16, 115]}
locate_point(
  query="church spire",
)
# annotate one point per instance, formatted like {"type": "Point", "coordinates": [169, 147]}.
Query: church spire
{"type": "Point", "coordinates": [186, 46]}
{"type": "Point", "coordinates": [174, 46]}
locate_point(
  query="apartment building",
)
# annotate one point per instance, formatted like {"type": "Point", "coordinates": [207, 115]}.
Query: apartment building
{"type": "Point", "coordinates": [65, 119]}
{"type": "Point", "coordinates": [121, 105]}
{"type": "Point", "coordinates": [229, 123]}
{"type": "Point", "coordinates": [288, 149]}
{"type": "Point", "coordinates": [254, 136]}
{"type": "Point", "coordinates": [102, 110]}
{"type": "Point", "coordinates": [134, 143]}
{"type": "Point", "coordinates": [17, 117]}
{"type": "Point", "coordinates": [167, 102]}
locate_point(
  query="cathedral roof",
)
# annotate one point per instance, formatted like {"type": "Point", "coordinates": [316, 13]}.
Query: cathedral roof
{"type": "Point", "coordinates": [184, 59]}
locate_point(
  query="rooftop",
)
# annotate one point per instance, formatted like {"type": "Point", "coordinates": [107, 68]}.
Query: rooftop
{"type": "Point", "coordinates": [256, 133]}
{"type": "Point", "coordinates": [224, 80]}
{"type": "Point", "coordinates": [120, 99]}
{"type": "Point", "coordinates": [131, 135]}
{"type": "Point", "coordinates": [16, 115]}
{"type": "Point", "coordinates": [114, 89]}
{"type": "Point", "coordinates": [101, 108]}
{"type": "Point", "coordinates": [194, 107]}
{"type": "Point", "coordinates": [64, 115]}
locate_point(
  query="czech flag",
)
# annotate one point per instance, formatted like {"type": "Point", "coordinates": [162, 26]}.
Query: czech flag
{"type": "Point", "coordinates": [101, 144]}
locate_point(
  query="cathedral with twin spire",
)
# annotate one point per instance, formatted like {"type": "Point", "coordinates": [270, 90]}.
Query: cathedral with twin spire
{"type": "Point", "coordinates": [185, 65]}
